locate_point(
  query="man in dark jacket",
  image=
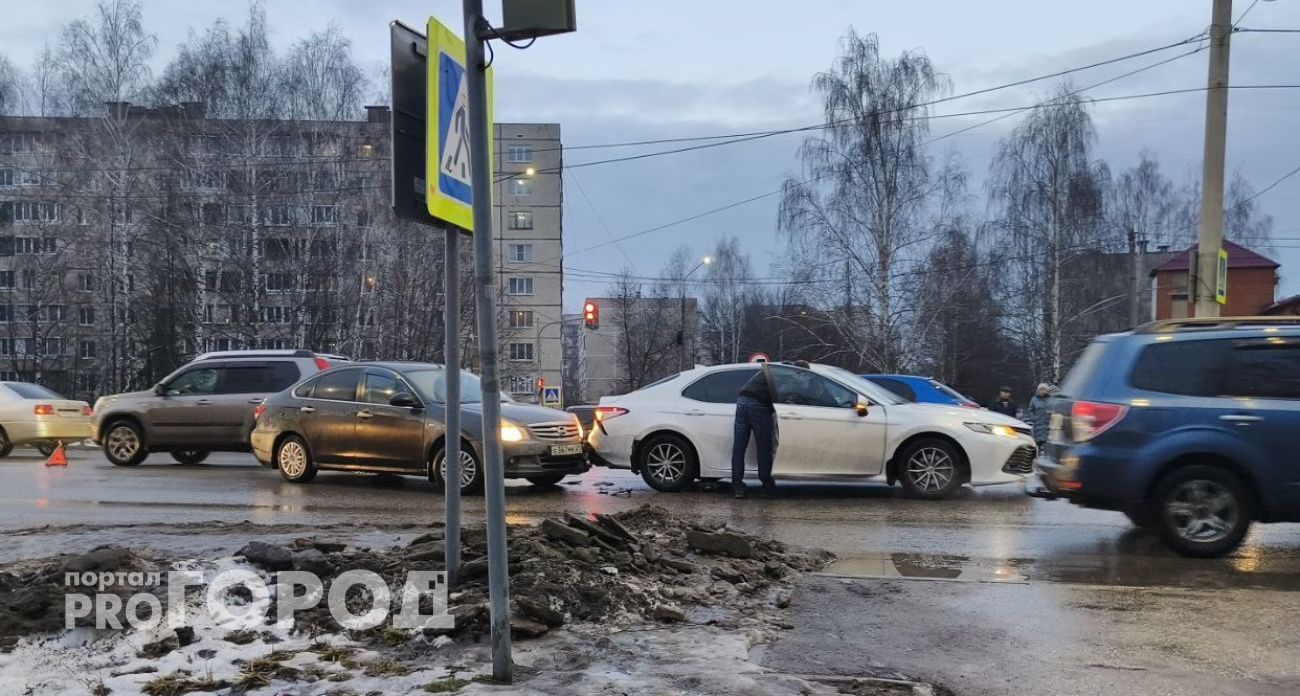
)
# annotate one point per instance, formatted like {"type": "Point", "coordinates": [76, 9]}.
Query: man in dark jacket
{"type": "Point", "coordinates": [1003, 404]}
{"type": "Point", "coordinates": [755, 415]}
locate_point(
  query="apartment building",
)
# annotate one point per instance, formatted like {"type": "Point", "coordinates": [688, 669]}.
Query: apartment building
{"type": "Point", "coordinates": [132, 241]}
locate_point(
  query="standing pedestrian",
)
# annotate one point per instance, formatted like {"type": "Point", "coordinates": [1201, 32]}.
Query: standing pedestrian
{"type": "Point", "coordinates": [756, 415]}
{"type": "Point", "coordinates": [1038, 416]}
{"type": "Point", "coordinates": [1003, 404]}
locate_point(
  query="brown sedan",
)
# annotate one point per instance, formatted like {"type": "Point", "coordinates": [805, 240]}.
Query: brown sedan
{"type": "Point", "coordinates": [389, 418]}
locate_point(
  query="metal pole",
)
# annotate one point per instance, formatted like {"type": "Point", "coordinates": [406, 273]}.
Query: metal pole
{"type": "Point", "coordinates": [498, 572]}
{"type": "Point", "coordinates": [451, 446]}
{"type": "Point", "coordinates": [1133, 282]}
{"type": "Point", "coordinates": [681, 347]}
{"type": "Point", "coordinates": [1210, 238]}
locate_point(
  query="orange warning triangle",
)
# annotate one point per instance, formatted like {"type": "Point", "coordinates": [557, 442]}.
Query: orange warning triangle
{"type": "Point", "coordinates": [57, 458]}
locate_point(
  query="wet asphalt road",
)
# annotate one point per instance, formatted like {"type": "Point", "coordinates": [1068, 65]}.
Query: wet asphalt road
{"type": "Point", "coordinates": [1032, 596]}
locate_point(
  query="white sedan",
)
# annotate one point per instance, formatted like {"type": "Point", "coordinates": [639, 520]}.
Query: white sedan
{"type": "Point", "coordinates": [33, 415]}
{"type": "Point", "coordinates": [832, 426]}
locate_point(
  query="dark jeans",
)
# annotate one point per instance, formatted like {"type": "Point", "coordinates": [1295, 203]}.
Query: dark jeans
{"type": "Point", "coordinates": [752, 417]}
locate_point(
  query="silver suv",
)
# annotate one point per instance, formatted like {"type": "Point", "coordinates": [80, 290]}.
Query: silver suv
{"type": "Point", "coordinates": [203, 407]}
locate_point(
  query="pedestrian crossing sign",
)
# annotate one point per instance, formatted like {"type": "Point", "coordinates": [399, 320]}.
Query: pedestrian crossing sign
{"type": "Point", "coordinates": [448, 163]}
{"type": "Point", "coordinates": [551, 397]}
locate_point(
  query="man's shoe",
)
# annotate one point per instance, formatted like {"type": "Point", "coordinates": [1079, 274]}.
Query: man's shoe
{"type": "Point", "coordinates": [738, 492]}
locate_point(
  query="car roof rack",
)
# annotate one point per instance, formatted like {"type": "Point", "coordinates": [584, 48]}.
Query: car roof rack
{"type": "Point", "coordinates": [1214, 323]}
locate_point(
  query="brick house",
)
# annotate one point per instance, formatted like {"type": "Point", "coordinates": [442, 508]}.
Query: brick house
{"type": "Point", "coordinates": [1252, 282]}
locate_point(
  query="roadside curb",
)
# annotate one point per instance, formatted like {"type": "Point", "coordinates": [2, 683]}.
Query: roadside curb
{"type": "Point", "coordinates": [859, 684]}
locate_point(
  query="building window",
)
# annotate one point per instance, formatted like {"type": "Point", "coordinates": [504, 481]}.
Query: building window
{"type": "Point", "coordinates": [238, 214]}
{"type": "Point", "coordinates": [519, 220]}
{"type": "Point", "coordinates": [277, 315]}
{"type": "Point", "coordinates": [54, 312]}
{"type": "Point", "coordinates": [279, 282]}
{"type": "Point", "coordinates": [18, 142]}
{"type": "Point", "coordinates": [34, 245]}
{"type": "Point", "coordinates": [50, 346]}
{"type": "Point", "coordinates": [86, 282]}
{"type": "Point", "coordinates": [521, 252]}
{"type": "Point", "coordinates": [521, 319]}
{"type": "Point", "coordinates": [278, 215]}
{"type": "Point", "coordinates": [6, 280]}
{"type": "Point", "coordinates": [86, 316]}
{"type": "Point", "coordinates": [6, 313]}
{"type": "Point", "coordinates": [521, 187]}
{"type": "Point", "coordinates": [6, 177]}
{"type": "Point", "coordinates": [27, 278]}
{"type": "Point", "coordinates": [86, 350]}
{"type": "Point", "coordinates": [522, 352]}
{"type": "Point", "coordinates": [363, 218]}
{"type": "Point", "coordinates": [35, 211]}
{"type": "Point", "coordinates": [522, 285]}
{"type": "Point", "coordinates": [324, 214]}
{"type": "Point", "coordinates": [522, 384]}
{"type": "Point", "coordinates": [225, 344]}
{"type": "Point", "coordinates": [519, 153]}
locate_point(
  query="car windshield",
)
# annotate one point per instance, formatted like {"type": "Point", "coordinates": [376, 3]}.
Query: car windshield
{"type": "Point", "coordinates": [31, 391]}
{"type": "Point", "coordinates": [949, 391]}
{"type": "Point", "coordinates": [432, 384]}
{"type": "Point", "coordinates": [871, 389]}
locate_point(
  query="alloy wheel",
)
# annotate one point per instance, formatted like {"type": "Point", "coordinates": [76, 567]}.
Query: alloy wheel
{"type": "Point", "coordinates": [666, 462]}
{"type": "Point", "coordinates": [468, 468]}
{"type": "Point", "coordinates": [930, 469]}
{"type": "Point", "coordinates": [1202, 511]}
{"type": "Point", "coordinates": [293, 459]}
{"type": "Point", "coordinates": [123, 443]}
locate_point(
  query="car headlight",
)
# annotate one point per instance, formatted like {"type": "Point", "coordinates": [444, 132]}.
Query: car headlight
{"type": "Point", "coordinates": [991, 429]}
{"type": "Point", "coordinates": [511, 432]}
{"type": "Point", "coordinates": [582, 432]}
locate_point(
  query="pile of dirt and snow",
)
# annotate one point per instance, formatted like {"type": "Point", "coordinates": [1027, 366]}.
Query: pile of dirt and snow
{"type": "Point", "coordinates": [644, 564]}
{"type": "Point", "coordinates": [32, 592]}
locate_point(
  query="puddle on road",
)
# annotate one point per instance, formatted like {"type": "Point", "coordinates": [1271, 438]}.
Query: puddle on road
{"type": "Point", "coordinates": [928, 567]}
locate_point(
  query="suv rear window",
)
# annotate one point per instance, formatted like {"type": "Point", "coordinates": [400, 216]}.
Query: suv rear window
{"type": "Point", "coordinates": [258, 378]}
{"type": "Point", "coordinates": [720, 387]}
{"type": "Point", "coordinates": [1190, 368]}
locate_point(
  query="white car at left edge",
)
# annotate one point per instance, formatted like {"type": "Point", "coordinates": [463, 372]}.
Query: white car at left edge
{"type": "Point", "coordinates": [832, 425]}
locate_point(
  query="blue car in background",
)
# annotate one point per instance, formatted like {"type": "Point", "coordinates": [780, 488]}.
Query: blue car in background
{"type": "Point", "coordinates": [925, 390]}
{"type": "Point", "coordinates": [1188, 426]}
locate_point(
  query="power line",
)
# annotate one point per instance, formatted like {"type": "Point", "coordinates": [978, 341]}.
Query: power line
{"type": "Point", "coordinates": [1243, 14]}
{"type": "Point", "coordinates": [608, 232]}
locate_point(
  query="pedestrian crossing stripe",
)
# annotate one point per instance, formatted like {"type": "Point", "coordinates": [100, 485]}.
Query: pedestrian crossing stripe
{"type": "Point", "coordinates": [448, 163]}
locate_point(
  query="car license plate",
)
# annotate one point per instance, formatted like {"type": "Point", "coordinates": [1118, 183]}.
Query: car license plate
{"type": "Point", "coordinates": [565, 450]}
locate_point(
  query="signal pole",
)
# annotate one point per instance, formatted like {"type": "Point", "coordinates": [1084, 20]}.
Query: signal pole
{"type": "Point", "coordinates": [1210, 238]}
{"type": "Point", "coordinates": [493, 466]}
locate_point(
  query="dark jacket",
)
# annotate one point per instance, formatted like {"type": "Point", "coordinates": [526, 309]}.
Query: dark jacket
{"type": "Point", "coordinates": [1006, 408]}
{"type": "Point", "coordinates": [758, 389]}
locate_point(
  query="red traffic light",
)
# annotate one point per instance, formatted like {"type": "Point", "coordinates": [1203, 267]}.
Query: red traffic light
{"type": "Point", "coordinates": [540, 383]}
{"type": "Point", "coordinates": [590, 315]}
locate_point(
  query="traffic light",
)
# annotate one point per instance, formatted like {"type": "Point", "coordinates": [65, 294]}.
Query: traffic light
{"type": "Point", "coordinates": [541, 382]}
{"type": "Point", "coordinates": [591, 315]}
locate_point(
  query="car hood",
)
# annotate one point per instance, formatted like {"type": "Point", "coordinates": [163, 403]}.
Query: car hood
{"type": "Point", "coordinates": [124, 396]}
{"type": "Point", "coordinates": [525, 414]}
{"type": "Point", "coordinates": [966, 414]}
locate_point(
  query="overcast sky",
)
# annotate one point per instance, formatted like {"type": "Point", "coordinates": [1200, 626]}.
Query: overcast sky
{"type": "Point", "coordinates": [672, 68]}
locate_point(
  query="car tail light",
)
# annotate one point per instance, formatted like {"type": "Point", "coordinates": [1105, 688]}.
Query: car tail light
{"type": "Point", "coordinates": [87, 411]}
{"type": "Point", "coordinates": [258, 410]}
{"type": "Point", "coordinates": [43, 410]}
{"type": "Point", "coordinates": [1088, 419]}
{"type": "Point", "coordinates": [604, 413]}
{"type": "Point", "coordinates": [322, 364]}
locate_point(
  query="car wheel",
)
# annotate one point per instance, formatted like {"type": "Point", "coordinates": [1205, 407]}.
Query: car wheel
{"type": "Point", "coordinates": [190, 456]}
{"type": "Point", "coordinates": [471, 471]}
{"type": "Point", "coordinates": [124, 444]}
{"type": "Point", "coordinates": [548, 480]}
{"type": "Point", "coordinates": [930, 469]}
{"type": "Point", "coordinates": [1204, 511]}
{"type": "Point", "coordinates": [293, 459]}
{"type": "Point", "coordinates": [5, 445]}
{"type": "Point", "coordinates": [46, 448]}
{"type": "Point", "coordinates": [668, 463]}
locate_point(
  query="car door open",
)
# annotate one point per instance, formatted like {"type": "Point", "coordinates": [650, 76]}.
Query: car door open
{"type": "Point", "coordinates": [826, 429]}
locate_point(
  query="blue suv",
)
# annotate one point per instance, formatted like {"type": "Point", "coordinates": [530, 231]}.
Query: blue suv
{"type": "Point", "coordinates": [1190, 427]}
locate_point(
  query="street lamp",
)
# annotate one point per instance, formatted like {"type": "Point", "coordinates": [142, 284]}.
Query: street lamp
{"type": "Point", "coordinates": [681, 333]}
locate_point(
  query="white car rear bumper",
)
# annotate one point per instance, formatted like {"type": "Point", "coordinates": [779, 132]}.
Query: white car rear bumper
{"type": "Point", "coordinates": [610, 450]}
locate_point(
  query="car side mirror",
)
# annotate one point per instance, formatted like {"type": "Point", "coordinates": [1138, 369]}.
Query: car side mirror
{"type": "Point", "coordinates": [860, 409]}
{"type": "Point", "coordinates": [160, 390]}
{"type": "Point", "coordinates": [403, 400]}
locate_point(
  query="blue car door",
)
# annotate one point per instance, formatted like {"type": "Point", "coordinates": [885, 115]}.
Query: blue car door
{"type": "Point", "coordinates": [1263, 377]}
